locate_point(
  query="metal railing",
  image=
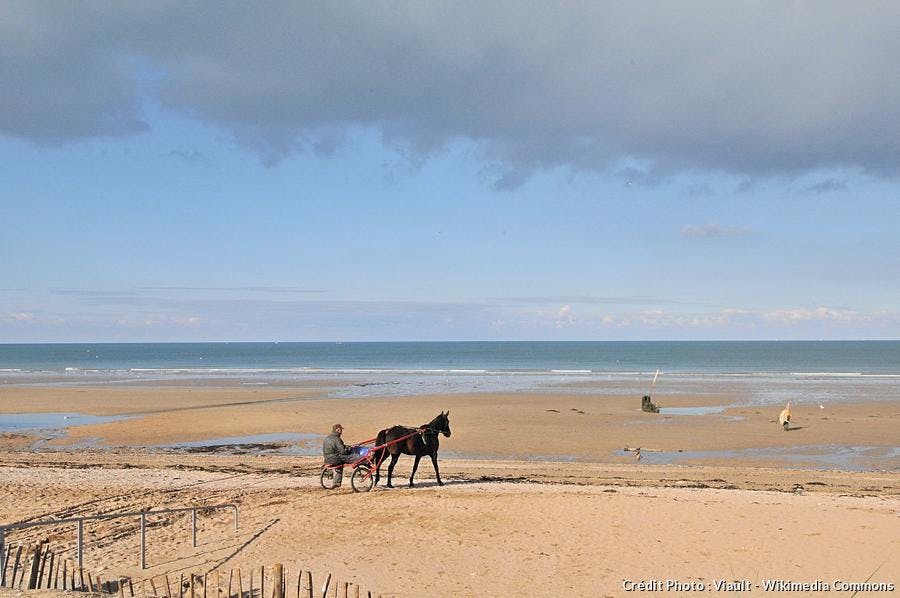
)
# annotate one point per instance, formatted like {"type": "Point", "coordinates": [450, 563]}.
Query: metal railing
{"type": "Point", "coordinates": [142, 514]}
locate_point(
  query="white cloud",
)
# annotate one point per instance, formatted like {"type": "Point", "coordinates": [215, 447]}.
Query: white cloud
{"type": "Point", "coordinates": [564, 317]}
{"type": "Point", "coordinates": [792, 316]}
{"type": "Point", "coordinates": [715, 230]}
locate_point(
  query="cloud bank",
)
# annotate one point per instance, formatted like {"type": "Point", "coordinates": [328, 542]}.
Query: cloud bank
{"type": "Point", "coordinates": [764, 88]}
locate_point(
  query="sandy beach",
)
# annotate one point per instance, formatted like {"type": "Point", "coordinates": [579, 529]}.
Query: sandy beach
{"type": "Point", "coordinates": [540, 499]}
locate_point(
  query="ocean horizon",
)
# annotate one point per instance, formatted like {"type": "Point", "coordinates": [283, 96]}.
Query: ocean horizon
{"type": "Point", "coordinates": [760, 372]}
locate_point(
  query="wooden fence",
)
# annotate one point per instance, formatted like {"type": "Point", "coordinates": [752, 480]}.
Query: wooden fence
{"type": "Point", "coordinates": [38, 567]}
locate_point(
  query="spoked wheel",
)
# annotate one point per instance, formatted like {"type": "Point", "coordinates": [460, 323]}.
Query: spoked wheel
{"type": "Point", "coordinates": [327, 478]}
{"type": "Point", "coordinates": [362, 479]}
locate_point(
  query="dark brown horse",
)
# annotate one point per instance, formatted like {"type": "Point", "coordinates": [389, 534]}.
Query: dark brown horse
{"type": "Point", "coordinates": [423, 441]}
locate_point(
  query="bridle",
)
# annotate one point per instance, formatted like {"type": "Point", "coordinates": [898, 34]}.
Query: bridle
{"type": "Point", "coordinates": [428, 430]}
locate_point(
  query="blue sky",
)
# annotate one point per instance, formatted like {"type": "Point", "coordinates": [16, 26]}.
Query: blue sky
{"type": "Point", "coordinates": [348, 173]}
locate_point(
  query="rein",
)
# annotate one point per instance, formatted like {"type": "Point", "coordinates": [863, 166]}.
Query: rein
{"type": "Point", "coordinates": [424, 431]}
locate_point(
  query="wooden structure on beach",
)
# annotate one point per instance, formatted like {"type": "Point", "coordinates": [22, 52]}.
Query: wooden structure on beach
{"type": "Point", "coordinates": [38, 567]}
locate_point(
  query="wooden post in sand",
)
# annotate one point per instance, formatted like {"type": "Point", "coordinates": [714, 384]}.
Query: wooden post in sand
{"type": "Point", "coordinates": [325, 586]}
{"type": "Point", "coordinates": [191, 581]}
{"type": "Point", "coordinates": [240, 584]}
{"type": "Point", "coordinates": [262, 583]}
{"type": "Point", "coordinates": [168, 588]}
{"type": "Point", "coordinates": [230, 576]}
{"type": "Point", "coordinates": [56, 577]}
{"type": "Point", "coordinates": [40, 575]}
{"type": "Point", "coordinates": [5, 565]}
{"type": "Point", "coordinates": [50, 569]}
{"type": "Point", "coordinates": [277, 581]}
{"type": "Point", "coordinates": [35, 567]}
{"type": "Point", "coordinates": [309, 584]}
{"type": "Point", "coordinates": [12, 581]}
{"type": "Point", "coordinates": [181, 585]}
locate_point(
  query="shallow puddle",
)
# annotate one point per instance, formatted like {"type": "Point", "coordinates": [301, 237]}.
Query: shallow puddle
{"type": "Point", "coordinates": [846, 458]}
{"type": "Point", "coordinates": [19, 422]}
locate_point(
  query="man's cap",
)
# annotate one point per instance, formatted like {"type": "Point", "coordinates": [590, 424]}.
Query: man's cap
{"type": "Point", "coordinates": [336, 427]}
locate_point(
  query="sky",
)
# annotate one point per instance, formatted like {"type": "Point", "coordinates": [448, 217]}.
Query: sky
{"type": "Point", "coordinates": [361, 171]}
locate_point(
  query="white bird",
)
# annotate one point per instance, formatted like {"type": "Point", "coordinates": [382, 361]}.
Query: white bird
{"type": "Point", "coordinates": [785, 418]}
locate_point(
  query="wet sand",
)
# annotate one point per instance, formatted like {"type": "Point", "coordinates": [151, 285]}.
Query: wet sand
{"type": "Point", "coordinates": [554, 427]}
{"type": "Point", "coordinates": [539, 498]}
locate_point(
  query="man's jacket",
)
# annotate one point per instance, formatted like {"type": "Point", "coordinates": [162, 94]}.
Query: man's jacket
{"type": "Point", "coordinates": [334, 449]}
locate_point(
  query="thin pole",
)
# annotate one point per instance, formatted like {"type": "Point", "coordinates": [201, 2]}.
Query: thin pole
{"type": "Point", "coordinates": [143, 541]}
{"type": "Point", "coordinates": [2, 557]}
{"type": "Point", "coordinates": [80, 543]}
{"type": "Point", "coordinates": [194, 527]}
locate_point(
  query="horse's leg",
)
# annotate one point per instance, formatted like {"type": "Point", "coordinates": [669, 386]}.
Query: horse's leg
{"type": "Point", "coordinates": [394, 458]}
{"type": "Point", "coordinates": [415, 467]}
{"type": "Point", "coordinates": [379, 457]}
{"type": "Point", "coordinates": [436, 470]}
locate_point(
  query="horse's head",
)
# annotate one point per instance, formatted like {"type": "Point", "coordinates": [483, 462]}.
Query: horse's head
{"type": "Point", "coordinates": [441, 424]}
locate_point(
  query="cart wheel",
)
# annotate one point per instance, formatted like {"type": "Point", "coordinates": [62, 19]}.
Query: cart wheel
{"type": "Point", "coordinates": [327, 478]}
{"type": "Point", "coordinates": [362, 479]}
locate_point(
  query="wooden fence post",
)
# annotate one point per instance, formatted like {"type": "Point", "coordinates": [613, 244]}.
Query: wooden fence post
{"type": "Point", "coordinates": [230, 575]}
{"type": "Point", "coordinates": [56, 577]}
{"type": "Point", "coordinates": [277, 581]}
{"type": "Point", "coordinates": [48, 555]}
{"type": "Point", "coordinates": [35, 567]}
{"type": "Point", "coordinates": [309, 584]}
{"type": "Point", "coordinates": [12, 582]}
{"type": "Point", "coordinates": [240, 584]}
{"type": "Point", "coordinates": [325, 586]}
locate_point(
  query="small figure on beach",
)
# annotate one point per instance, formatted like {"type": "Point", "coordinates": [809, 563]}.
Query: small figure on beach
{"type": "Point", "coordinates": [337, 453]}
{"type": "Point", "coordinates": [646, 402]}
{"type": "Point", "coordinates": [648, 405]}
{"type": "Point", "coordinates": [784, 420]}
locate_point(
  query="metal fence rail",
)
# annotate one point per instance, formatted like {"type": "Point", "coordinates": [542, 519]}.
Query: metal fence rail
{"type": "Point", "coordinates": [79, 521]}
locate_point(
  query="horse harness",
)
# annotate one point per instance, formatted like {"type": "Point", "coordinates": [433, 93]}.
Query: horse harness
{"type": "Point", "coordinates": [424, 431]}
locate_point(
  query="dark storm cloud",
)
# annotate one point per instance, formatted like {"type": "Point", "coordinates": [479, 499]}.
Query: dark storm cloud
{"type": "Point", "coordinates": [758, 88]}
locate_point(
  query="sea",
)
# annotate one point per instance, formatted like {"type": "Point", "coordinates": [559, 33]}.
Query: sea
{"type": "Point", "coordinates": [755, 372]}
